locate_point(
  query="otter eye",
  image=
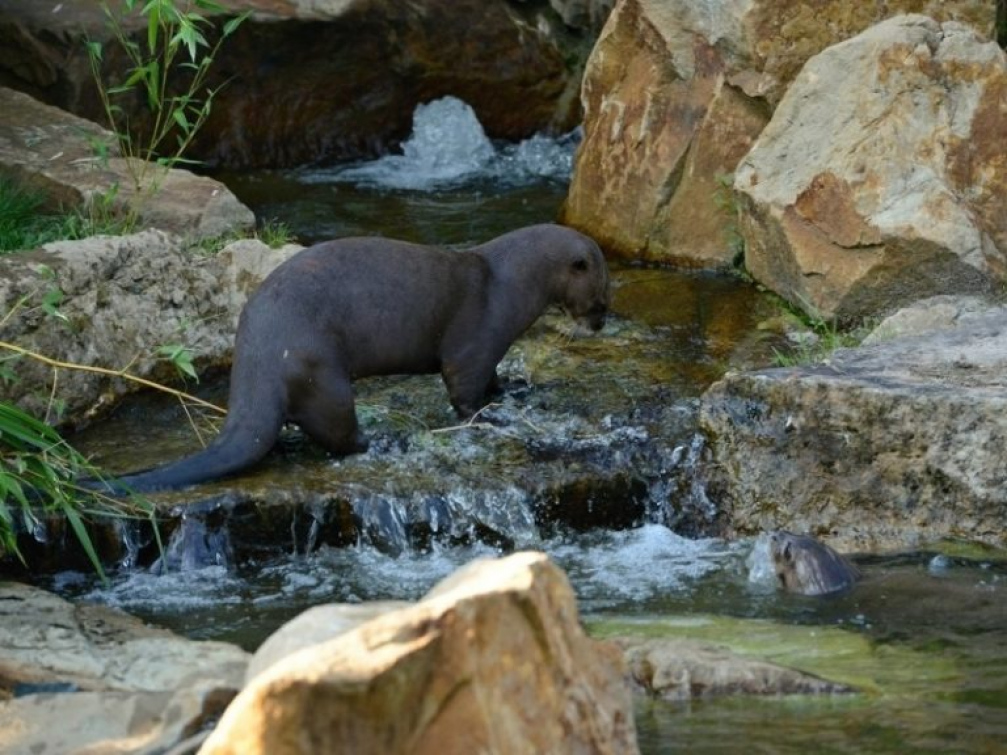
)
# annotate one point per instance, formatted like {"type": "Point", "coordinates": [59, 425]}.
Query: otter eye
{"type": "Point", "coordinates": [580, 264]}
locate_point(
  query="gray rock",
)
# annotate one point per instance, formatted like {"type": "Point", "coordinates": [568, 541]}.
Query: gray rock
{"type": "Point", "coordinates": [122, 297]}
{"type": "Point", "coordinates": [881, 447]}
{"type": "Point", "coordinates": [927, 315]}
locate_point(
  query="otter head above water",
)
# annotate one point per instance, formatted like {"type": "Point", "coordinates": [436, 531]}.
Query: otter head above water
{"type": "Point", "coordinates": [807, 567]}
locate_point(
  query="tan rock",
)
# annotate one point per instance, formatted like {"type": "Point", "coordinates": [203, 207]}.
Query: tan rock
{"type": "Point", "coordinates": [493, 660]}
{"type": "Point", "coordinates": [660, 125]}
{"type": "Point", "coordinates": [316, 625]}
{"type": "Point", "coordinates": [44, 638]}
{"type": "Point", "coordinates": [675, 93]}
{"type": "Point", "coordinates": [124, 686]}
{"type": "Point", "coordinates": [856, 198]}
{"type": "Point", "coordinates": [54, 151]}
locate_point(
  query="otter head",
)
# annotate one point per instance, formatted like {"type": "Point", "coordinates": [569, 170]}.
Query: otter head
{"type": "Point", "coordinates": [804, 565]}
{"type": "Point", "coordinates": [584, 283]}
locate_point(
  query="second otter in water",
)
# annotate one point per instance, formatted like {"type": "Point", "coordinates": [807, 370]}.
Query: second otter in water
{"type": "Point", "coordinates": [357, 307]}
{"type": "Point", "coordinates": [807, 567]}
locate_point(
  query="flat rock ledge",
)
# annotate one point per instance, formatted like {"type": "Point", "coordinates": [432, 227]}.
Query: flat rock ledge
{"type": "Point", "coordinates": [882, 447]}
{"type": "Point", "coordinates": [90, 679]}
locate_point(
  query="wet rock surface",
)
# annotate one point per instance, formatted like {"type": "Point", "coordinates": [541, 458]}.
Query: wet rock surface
{"type": "Point", "coordinates": [591, 431]}
{"type": "Point", "coordinates": [682, 669]}
{"type": "Point", "coordinates": [882, 447]}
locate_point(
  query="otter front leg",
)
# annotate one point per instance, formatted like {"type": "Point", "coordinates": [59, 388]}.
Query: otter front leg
{"type": "Point", "coordinates": [470, 386]}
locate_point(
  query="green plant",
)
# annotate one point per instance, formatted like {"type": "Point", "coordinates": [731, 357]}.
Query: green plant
{"type": "Point", "coordinates": [274, 233]}
{"type": "Point", "coordinates": [818, 338]}
{"type": "Point", "coordinates": [168, 70]}
{"type": "Point", "coordinates": [24, 223]}
{"type": "Point", "coordinates": [38, 474]}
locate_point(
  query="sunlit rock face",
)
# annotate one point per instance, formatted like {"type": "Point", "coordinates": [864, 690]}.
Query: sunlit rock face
{"type": "Point", "coordinates": [492, 660]}
{"type": "Point", "coordinates": [881, 177]}
{"type": "Point", "coordinates": [674, 95]}
{"type": "Point", "coordinates": [333, 80]}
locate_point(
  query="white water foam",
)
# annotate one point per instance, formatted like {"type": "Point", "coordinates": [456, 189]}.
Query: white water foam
{"type": "Point", "coordinates": [606, 569]}
{"type": "Point", "coordinates": [448, 148]}
{"type": "Point", "coordinates": [639, 565]}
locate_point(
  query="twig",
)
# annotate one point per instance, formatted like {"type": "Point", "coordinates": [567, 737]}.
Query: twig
{"type": "Point", "coordinates": [110, 373]}
{"type": "Point", "coordinates": [472, 423]}
{"type": "Point", "coordinates": [469, 423]}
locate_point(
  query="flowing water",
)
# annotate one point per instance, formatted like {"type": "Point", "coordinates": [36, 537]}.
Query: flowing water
{"type": "Point", "coordinates": [923, 636]}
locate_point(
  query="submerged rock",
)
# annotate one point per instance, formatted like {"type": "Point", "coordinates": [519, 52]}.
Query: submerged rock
{"type": "Point", "coordinates": [686, 669]}
{"type": "Point", "coordinates": [492, 659]}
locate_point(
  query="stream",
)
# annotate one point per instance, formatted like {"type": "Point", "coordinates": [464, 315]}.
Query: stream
{"type": "Point", "coordinates": [924, 636]}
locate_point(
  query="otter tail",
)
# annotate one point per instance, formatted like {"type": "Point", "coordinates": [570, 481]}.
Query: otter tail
{"type": "Point", "coordinates": [242, 442]}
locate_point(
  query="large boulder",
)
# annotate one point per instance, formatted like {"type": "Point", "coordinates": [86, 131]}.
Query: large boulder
{"type": "Point", "coordinates": [882, 177]}
{"type": "Point", "coordinates": [91, 679]}
{"type": "Point", "coordinates": [54, 152]}
{"type": "Point", "coordinates": [882, 447]}
{"type": "Point", "coordinates": [674, 95]}
{"type": "Point", "coordinates": [322, 80]}
{"type": "Point", "coordinates": [493, 659]}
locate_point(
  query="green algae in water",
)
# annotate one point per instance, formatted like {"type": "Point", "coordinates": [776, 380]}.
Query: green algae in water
{"type": "Point", "coordinates": [840, 655]}
{"type": "Point", "coordinates": [910, 700]}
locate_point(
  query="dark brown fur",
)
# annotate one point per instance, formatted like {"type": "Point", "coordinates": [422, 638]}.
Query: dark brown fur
{"type": "Point", "coordinates": [352, 308]}
{"type": "Point", "coordinates": [807, 567]}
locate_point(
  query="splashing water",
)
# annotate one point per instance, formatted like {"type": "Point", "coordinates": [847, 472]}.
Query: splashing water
{"type": "Point", "coordinates": [448, 148]}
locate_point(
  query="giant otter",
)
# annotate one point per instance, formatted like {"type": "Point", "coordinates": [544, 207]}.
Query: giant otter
{"type": "Point", "coordinates": [807, 567]}
{"type": "Point", "coordinates": [357, 307]}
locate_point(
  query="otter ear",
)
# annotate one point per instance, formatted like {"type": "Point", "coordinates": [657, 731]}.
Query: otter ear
{"type": "Point", "coordinates": [580, 265]}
